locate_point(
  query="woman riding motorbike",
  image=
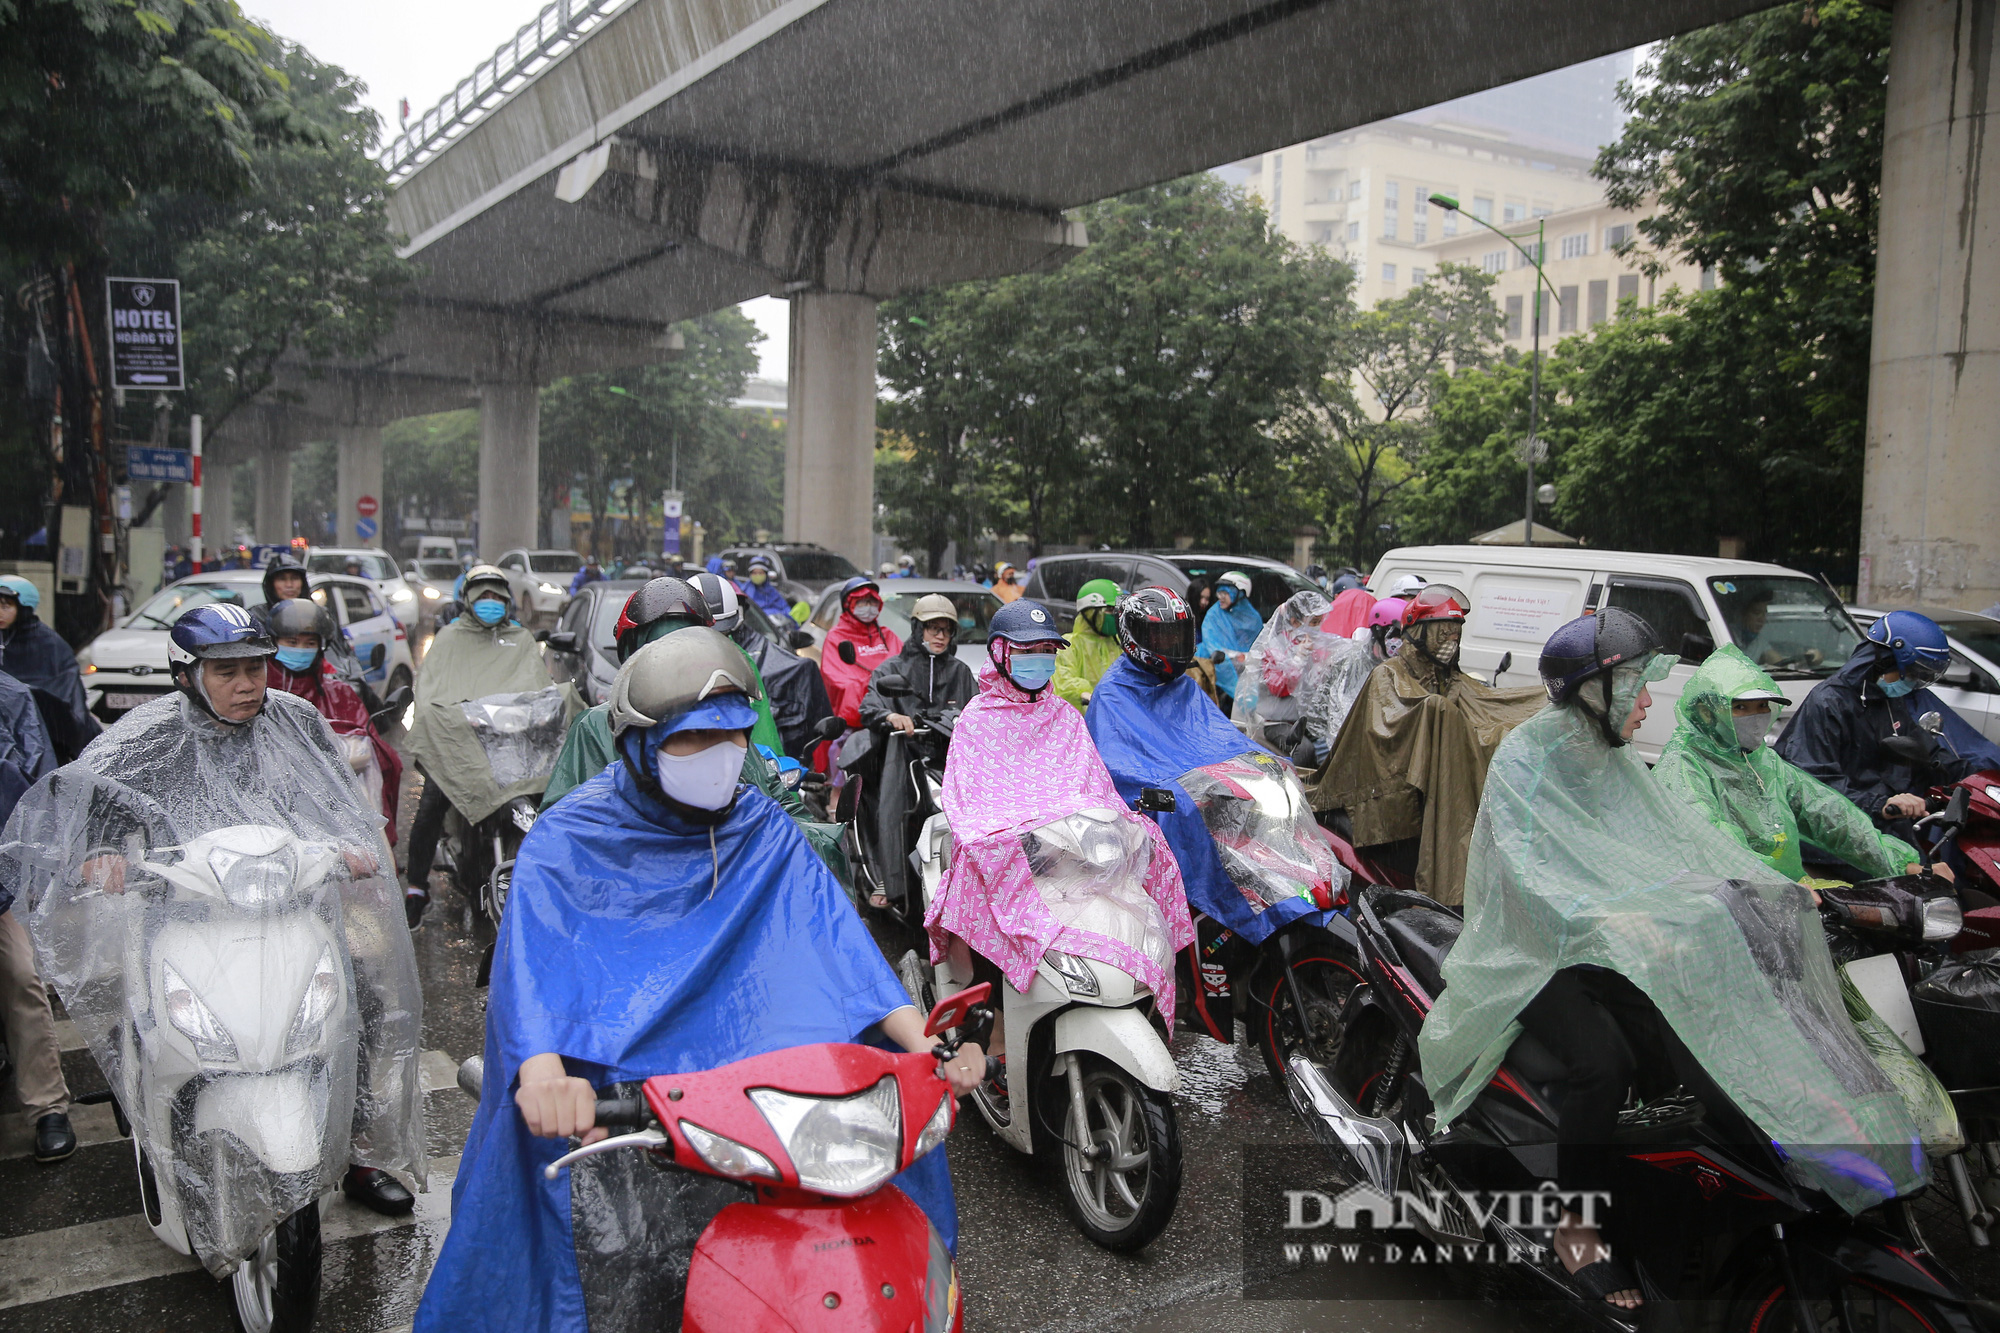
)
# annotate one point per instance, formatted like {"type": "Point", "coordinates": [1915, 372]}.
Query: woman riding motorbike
{"type": "Point", "coordinates": [1093, 643]}
{"type": "Point", "coordinates": [303, 630]}
{"type": "Point", "coordinates": [670, 919]}
{"type": "Point", "coordinates": [855, 646]}
{"type": "Point", "coordinates": [1230, 628]}
{"type": "Point", "coordinates": [1638, 943]}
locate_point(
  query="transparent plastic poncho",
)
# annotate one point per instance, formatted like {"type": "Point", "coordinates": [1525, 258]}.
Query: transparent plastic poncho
{"type": "Point", "coordinates": [1090, 869]}
{"type": "Point", "coordinates": [494, 667]}
{"type": "Point", "coordinates": [520, 734]}
{"type": "Point", "coordinates": [217, 908]}
{"type": "Point", "coordinates": [1578, 858]}
{"type": "Point", "coordinates": [1297, 672]}
{"type": "Point", "coordinates": [1264, 831]}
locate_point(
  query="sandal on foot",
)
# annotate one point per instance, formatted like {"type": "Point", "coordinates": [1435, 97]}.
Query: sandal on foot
{"type": "Point", "coordinates": [1599, 1280]}
{"type": "Point", "coordinates": [879, 900]}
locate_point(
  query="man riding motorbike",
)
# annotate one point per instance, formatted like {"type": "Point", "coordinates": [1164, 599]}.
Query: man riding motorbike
{"type": "Point", "coordinates": [671, 919]}
{"type": "Point", "coordinates": [1022, 757]}
{"type": "Point", "coordinates": [483, 652]}
{"type": "Point", "coordinates": [1230, 628]}
{"type": "Point", "coordinates": [303, 631]}
{"type": "Point", "coordinates": [1093, 643]}
{"type": "Point", "coordinates": [1718, 763]}
{"type": "Point", "coordinates": [223, 752]}
{"type": "Point", "coordinates": [1839, 732]}
{"type": "Point", "coordinates": [36, 655]}
{"type": "Point", "coordinates": [855, 646]}
{"type": "Point", "coordinates": [762, 578]}
{"type": "Point", "coordinates": [1409, 761]}
{"type": "Point", "coordinates": [925, 678]}
{"type": "Point", "coordinates": [662, 607]}
{"type": "Point", "coordinates": [1639, 944]}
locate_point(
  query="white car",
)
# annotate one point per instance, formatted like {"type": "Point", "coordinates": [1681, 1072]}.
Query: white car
{"type": "Point", "coordinates": [1971, 684]}
{"type": "Point", "coordinates": [436, 582]}
{"type": "Point", "coordinates": [379, 567]}
{"type": "Point", "coordinates": [126, 666]}
{"type": "Point", "coordinates": [540, 580]}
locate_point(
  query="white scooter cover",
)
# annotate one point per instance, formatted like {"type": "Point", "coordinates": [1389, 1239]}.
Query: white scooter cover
{"type": "Point", "coordinates": [163, 777]}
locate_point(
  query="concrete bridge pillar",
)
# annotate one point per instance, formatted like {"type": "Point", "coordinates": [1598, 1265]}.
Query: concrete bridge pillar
{"type": "Point", "coordinates": [1931, 479]}
{"type": "Point", "coordinates": [359, 473]}
{"type": "Point", "coordinates": [274, 494]}
{"type": "Point", "coordinates": [510, 418]}
{"type": "Point", "coordinates": [830, 424]}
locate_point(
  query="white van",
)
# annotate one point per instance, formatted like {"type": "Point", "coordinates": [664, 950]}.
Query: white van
{"type": "Point", "coordinates": [1791, 623]}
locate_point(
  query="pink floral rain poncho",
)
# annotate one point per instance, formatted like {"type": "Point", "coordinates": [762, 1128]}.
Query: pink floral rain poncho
{"type": "Point", "coordinates": [1017, 765]}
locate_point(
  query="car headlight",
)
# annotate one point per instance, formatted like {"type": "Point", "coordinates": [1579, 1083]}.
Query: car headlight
{"type": "Point", "coordinates": [939, 1126]}
{"type": "Point", "coordinates": [551, 589]}
{"type": "Point", "coordinates": [1076, 973]}
{"type": "Point", "coordinates": [727, 1155]}
{"type": "Point", "coordinates": [433, 594]}
{"type": "Point", "coordinates": [402, 595]}
{"type": "Point", "coordinates": [86, 662]}
{"type": "Point", "coordinates": [309, 1025]}
{"type": "Point", "coordinates": [841, 1146]}
{"type": "Point", "coordinates": [195, 1020]}
{"type": "Point", "coordinates": [1943, 919]}
{"type": "Point", "coordinates": [253, 881]}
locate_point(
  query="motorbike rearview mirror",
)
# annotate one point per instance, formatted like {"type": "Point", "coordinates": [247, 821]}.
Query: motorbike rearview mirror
{"type": "Point", "coordinates": [845, 651]}
{"type": "Point", "coordinates": [1696, 647]}
{"type": "Point", "coordinates": [1933, 722]}
{"type": "Point", "coordinates": [399, 699]}
{"type": "Point", "coordinates": [951, 1011]}
{"type": "Point", "coordinates": [798, 639]}
{"type": "Point", "coordinates": [1506, 662]}
{"type": "Point", "coordinates": [1955, 809]}
{"type": "Point", "coordinates": [377, 656]}
{"type": "Point", "coordinates": [562, 640]}
{"type": "Point", "coordinates": [830, 728]}
{"type": "Point", "coordinates": [541, 636]}
{"type": "Point", "coordinates": [1158, 800]}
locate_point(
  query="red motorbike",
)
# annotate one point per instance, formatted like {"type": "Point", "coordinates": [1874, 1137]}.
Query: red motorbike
{"type": "Point", "coordinates": [817, 1131]}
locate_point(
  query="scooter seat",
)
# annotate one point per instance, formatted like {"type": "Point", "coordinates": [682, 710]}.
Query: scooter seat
{"type": "Point", "coordinates": [1534, 1062]}
{"type": "Point", "coordinates": [1423, 935]}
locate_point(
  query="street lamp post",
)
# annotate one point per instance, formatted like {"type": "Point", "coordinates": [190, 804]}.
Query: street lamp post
{"type": "Point", "coordinates": [1450, 205]}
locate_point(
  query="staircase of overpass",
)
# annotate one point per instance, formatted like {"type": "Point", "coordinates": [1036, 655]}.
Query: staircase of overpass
{"type": "Point", "coordinates": [621, 165]}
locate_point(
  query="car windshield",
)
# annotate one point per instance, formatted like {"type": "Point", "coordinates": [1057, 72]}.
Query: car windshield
{"type": "Point", "coordinates": [171, 603]}
{"type": "Point", "coordinates": [1980, 634]}
{"type": "Point", "coordinates": [438, 571]}
{"type": "Point", "coordinates": [1786, 625]}
{"type": "Point", "coordinates": [975, 611]}
{"type": "Point", "coordinates": [555, 562]}
{"type": "Point", "coordinates": [818, 566]}
{"type": "Point", "coordinates": [1270, 588]}
{"type": "Point", "coordinates": [371, 566]}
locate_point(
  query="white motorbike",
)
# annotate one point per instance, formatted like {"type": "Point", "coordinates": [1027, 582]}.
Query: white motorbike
{"type": "Point", "coordinates": [1089, 1076]}
{"type": "Point", "coordinates": [238, 1047]}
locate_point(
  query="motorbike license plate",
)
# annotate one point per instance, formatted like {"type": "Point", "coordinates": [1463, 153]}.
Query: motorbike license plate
{"type": "Point", "coordinates": [116, 700]}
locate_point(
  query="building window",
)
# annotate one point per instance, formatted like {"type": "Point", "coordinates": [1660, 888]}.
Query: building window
{"type": "Point", "coordinates": [1493, 261]}
{"type": "Point", "coordinates": [1354, 231]}
{"type": "Point", "coordinates": [1538, 250]}
{"type": "Point", "coordinates": [1513, 317]}
{"type": "Point", "coordinates": [1617, 236]}
{"type": "Point", "coordinates": [1326, 235]}
{"type": "Point", "coordinates": [1451, 222]}
{"type": "Point", "coordinates": [1389, 273]}
{"type": "Point", "coordinates": [1566, 317]}
{"type": "Point", "coordinates": [1598, 295]}
{"type": "Point", "coordinates": [1354, 188]}
{"type": "Point", "coordinates": [1542, 210]}
{"type": "Point", "coordinates": [1392, 193]}
{"type": "Point", "coordinates": [1513, 212]}
{"type": "Point", "coordinates": [1708, 279]}
{"type": "Point", "coordinates": [1628, 290]}
{"type": "Point", "coordinates": [1420, 230]}
{"type": "Point", "coordinates": [1482, 209]}
{"type": "Point", "coordinates": [1417, 277]}
{"type": "Point", "coordinates": [1577, 246]}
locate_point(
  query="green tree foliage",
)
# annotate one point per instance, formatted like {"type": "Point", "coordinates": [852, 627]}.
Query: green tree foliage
{"type": "Point", "coordinates": [432, 462]}
{"type": "Point", "coordinates": [611, 426]}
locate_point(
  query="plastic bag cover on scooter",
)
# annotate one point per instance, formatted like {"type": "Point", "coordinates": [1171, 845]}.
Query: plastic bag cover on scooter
{"type": "Point", "coordinates": [239, 877]}
{"type": "Point", "coordinates": [1958, 1008]}
{"type": "Point", "coordinates": [1263, 827]}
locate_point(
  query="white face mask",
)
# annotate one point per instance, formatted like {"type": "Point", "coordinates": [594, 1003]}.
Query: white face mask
{"type": "Point", "coordinates": [866, 613]}
{"type": "Point", "coordinates": [1752, 728]}
{"type": "Point", "coordinates": [705, 779]}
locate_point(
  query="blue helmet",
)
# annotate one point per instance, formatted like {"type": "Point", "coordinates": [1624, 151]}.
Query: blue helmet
{"type": "Point", "coordinates": [21, 590]}
{"type": "Point", "coordinates": [1592, 644]}
{"type": "Point", "coordinates": [1915, 642]}
{"type": "Point", "coordinates": [1023, 621]}
{"type": "Point", "coordinates": [220, 629]}
{"type": "Point", "coordinates": [860, 583]}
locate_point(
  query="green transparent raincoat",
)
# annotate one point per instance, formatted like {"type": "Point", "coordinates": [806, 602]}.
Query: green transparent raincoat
{"type": "Point", "coordinates": [1579, 858]}
{"type": "Point", "coordinates": [1759, 799]}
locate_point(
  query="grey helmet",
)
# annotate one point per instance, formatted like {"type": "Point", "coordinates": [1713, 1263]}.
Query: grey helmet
{"type": "Point", "coordinates": [671, 675]}
{"type": "Point", "coordinates": [723, 603]}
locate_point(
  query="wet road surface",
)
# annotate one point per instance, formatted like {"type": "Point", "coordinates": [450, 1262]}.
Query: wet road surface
{"type": "Point", "coordinates": [75, 1254]}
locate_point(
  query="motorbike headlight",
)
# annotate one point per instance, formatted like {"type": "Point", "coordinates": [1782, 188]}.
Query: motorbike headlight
{"type": "Point", "coordinates": [523, 815]}
{"type": "Point", "coordinates": [1076, 973]}
{"type": "Point", "coordinates": [939, 1126]}
{"type": "Point", "coordinates": [1943, 919]}
{"type": "Point", "coordinates": [940, 1287]}
{"type": "Point", "coordinates": [840, 1145]}
{"type": "Point", "coordinates": [309, 1026]}
{"type": "Point", "coordinates": [727, 1155]}
{"type": "Point", "coordinates": [253, 881]}
{"type": "Point", "coordinates": [195, 1020]}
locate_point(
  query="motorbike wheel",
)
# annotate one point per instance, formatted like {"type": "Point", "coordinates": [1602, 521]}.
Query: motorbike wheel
{"type": "Point", "coordinates": [277, 1288]}
{"type": "Point", "coordinates": [1327, 971]}
{"type": "Point", "coordinates": [1768, 1307]}
{"type": "Point", "coordinates": [1125, 1197]}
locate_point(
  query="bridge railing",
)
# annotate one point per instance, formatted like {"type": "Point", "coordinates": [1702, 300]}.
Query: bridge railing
{"type": "Point", "coordinates": [535, 47]}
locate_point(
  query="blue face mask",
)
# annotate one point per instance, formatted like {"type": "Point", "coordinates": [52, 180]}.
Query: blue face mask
{"type": "Point", "coordinates": [296, 659]}
{"type": "Point", "coordinates": [489, 611]}
{"type": "Point", "coordinates": [1032, 671]}
{"type": "Point", "coordinates": [1896, 689]}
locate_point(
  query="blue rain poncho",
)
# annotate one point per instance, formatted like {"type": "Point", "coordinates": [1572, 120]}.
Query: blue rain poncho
{"type": "Point", "coordinates": [1149, 732]}
{"type": "Point", "coordinates": [614, 955]}
{"type": "Point", "coordinates": [1579, 858]}
{"type": "Point", "coordinates": [24, 747]}
{"type": "Point", "coordinates": [1232, 630]}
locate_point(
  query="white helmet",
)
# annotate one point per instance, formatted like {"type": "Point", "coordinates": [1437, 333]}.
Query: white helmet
{"type": "Point", "coordinates": [720, 594]}
{"type": "Point", "coordinates": [1407, 585]}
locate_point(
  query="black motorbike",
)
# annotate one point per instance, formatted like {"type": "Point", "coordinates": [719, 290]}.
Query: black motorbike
{"type": "Point", "coordinates": [894, 783]}
{"type": "Point", "coordinates": [1769, 1255]}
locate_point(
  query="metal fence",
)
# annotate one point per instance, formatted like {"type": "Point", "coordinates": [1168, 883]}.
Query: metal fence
{"type": "Point", "coordinates": [534, 48]}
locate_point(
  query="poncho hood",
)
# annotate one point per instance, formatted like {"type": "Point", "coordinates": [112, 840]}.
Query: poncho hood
{"type": "Point", "coordinates": [1578, 859]}
{"type": "Point", "coordinates": [1349, 612]}
{"type": "Point", "coordinates": [845, 684]}
{"type": "Point", "coordinates": [661, 971]}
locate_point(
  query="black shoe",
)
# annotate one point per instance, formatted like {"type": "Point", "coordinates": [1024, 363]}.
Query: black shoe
{"type": "Point", "coordinates": [373, 1188]}
{"type": "Point", "coordinates": [414, 902]}
{"type": "Point", "coordinates": [54, 1139]}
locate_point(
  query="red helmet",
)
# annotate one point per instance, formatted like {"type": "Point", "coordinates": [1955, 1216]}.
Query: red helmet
{"type": "Point", "coordinates": [660, 598]}
{"type": "Point", "coordinates": [1436, 601]}
{"type": "Point", "coordinates": [1156, 630]}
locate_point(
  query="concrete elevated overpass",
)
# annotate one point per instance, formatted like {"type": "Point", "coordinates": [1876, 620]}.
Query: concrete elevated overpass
{"type": "Point", "coordinates": [626, 164]}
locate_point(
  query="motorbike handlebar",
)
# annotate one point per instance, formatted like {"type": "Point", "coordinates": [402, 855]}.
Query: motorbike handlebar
{"type": "Point", "coordinates": [623, 1112]}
